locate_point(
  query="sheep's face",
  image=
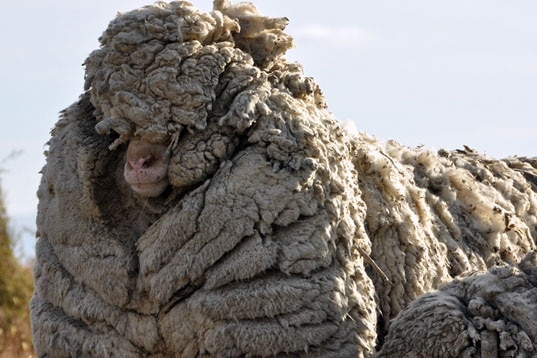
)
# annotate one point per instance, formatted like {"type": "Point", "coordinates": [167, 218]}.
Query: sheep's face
{"type": "Point", "coordinates": [146, 167]}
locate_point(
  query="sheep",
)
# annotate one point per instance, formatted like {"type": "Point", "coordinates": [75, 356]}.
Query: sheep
{"type": "Point", "coordinates": [199, 199]}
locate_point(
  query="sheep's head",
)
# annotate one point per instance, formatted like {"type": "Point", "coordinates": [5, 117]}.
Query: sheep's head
{"type": "Point", "coordinates": [196, 84]}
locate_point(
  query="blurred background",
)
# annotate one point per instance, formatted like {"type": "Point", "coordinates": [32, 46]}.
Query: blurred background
{"type": "Point", "coordinates": [438, 74]}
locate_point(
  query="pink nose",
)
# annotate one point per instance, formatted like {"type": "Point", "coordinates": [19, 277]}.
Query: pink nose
{"type": "Point", "coordinates": [138, 164]}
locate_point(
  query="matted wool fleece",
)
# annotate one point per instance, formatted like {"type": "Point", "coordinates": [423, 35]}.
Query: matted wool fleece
{"type": "Point", "coordinates": [281, 234]}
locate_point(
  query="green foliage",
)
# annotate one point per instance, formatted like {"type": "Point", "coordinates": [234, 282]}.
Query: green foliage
{"type": "Point", "coordinates": [16, 287]}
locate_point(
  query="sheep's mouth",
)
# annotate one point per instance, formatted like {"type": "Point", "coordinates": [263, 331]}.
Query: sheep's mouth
{"type": "Point", "coordinates": [150, 188]}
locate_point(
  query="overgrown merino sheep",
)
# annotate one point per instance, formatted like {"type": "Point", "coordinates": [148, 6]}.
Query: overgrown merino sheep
{"type": "Point", "coordinates": [200, 200]}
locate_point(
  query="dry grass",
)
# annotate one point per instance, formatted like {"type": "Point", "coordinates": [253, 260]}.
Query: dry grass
{"type": "Point", "coordinates": [16, 337]}
{"type": "Point", "coordinates": [16, 288]}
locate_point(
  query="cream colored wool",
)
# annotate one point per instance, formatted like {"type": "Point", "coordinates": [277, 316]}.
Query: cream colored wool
{"type": "Point", "coordinates": [282, 234]}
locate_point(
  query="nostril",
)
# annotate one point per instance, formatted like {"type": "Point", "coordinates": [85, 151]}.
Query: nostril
{"type": "Point", "coordinates": [147, 162]}
{"type": "Point", "coordinates": [137, 165]}
{"type": "Point", "coordinates": [142, 163]}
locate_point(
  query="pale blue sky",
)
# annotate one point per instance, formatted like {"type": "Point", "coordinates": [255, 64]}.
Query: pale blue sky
{"type": "Point", "coordinates": [434, 73]}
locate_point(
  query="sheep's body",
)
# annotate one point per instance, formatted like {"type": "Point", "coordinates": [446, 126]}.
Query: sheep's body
{"type": "Point", "coordinates": [283, 234]}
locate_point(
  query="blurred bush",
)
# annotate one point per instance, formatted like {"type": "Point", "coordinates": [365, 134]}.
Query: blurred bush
{"type": "Point", "coordinates": [16, 288]}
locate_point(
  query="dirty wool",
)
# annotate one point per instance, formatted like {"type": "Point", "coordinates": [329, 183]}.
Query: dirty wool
{"type": "Point", "coordinates": [273, 231]}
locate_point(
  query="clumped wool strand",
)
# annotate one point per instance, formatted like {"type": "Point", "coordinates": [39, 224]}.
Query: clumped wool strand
{"type": "Point", "coordinates": [281, 233]}
{"type": "Point", "coordinates": [490, 314]}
